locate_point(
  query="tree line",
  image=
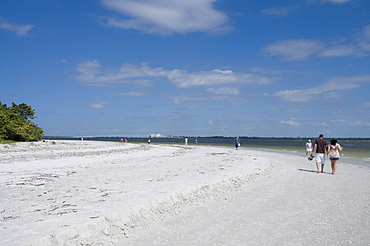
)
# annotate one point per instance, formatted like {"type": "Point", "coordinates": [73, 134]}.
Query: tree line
{"type": "Point", "coordinates": [16, 125]}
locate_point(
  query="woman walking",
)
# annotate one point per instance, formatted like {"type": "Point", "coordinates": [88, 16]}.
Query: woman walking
{"type": "Point", "coordinates": [333, 154]}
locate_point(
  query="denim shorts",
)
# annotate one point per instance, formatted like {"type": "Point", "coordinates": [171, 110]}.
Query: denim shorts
{"type": "Point", "coordinates": [334, 158]}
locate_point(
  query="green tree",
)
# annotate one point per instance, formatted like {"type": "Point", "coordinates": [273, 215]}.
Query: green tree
{"type": "Point", "coordinates": [25, 111]}
{"type": "Point", "coordinates": [4, 120]}
{"type": "Point", "coordinates": [15, 123]}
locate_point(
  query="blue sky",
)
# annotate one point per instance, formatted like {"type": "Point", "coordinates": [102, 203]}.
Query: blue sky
{"type": "Point", "coordinates": [191, 68]}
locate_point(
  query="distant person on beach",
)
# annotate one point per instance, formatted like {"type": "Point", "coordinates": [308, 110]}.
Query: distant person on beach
{"type": "Point", "coordinates": [319, 147]}
{"type": "Point", "coordinates": [237, 142]}
{"type": "Point", "coordinates": [333, 154]}
{"type": "Point", "coordinates": [308, 147]}
{"type": "Point", "coordinates": [148, 141]}
{"type": "Point", "coordinates": [186, 141]}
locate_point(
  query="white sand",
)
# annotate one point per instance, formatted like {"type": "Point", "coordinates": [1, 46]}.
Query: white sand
{"type": "Point", "coordinates": [103, 193]}
{"type": "Point", "coordinates": [292, 205]}
{"type": "Point", "coordinates": [94, 193]}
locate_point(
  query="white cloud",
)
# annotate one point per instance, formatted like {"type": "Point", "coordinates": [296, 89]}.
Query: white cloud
{"type": "Point", "coordinates": [296, 95]}
{"type": "Point", "coordinates": [21, 30]}
{"type": "Point", "coordinates": [278, 11]}
{"type": "Point", "coordinates": [97, 105]}
{"type": "Point", "coordinates": [361, 123]}
{"type": "Point", "coordinates": [291, 122]}
{"type": "Point", "coordinates": [90, 72]}
{"type": "Point", "coordinates": [167, 16]}
{"type": "Point", "coordinates": [293, 50]}
{"type": "Point", "coordinates": [131, 94]}
{"type": "Point", "coordinates": [345, 83]}
{"type": "Point", "coordinates": [184, 98]}
{"type": "Point", "coordinates": [59, 61]}
{"type": "Point", "coordinates": [340, 51]}
{"type": "Point", "coordinates": [330, 88]}
{"type": "Point", "coordinates": [184, 79]}
{"type": "Point", "coordinates": [364, 39]}
{"type": "Point", "coordinates": [193, 106]}
{"type": "Point", "coordinates": [269, 71]}
{"type": "Point", "coordinates": [302, 49]}
{"type": "Point", "coordinates": [335, 1]}
{"type": "Point", "coordinates": [365, 104]}
{"type": "Point", "coordinates": [224, 91]}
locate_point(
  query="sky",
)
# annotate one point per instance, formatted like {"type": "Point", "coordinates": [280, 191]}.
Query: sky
{"type": "Point", "coordinates": [266, 68]}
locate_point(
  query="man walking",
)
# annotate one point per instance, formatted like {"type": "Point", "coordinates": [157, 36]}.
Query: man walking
{"type": "Point", "coordinates": [320, 146]}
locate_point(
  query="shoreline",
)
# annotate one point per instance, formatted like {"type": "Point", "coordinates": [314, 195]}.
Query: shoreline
{"type": "Point", "coordinates": [345, 158]}
{"type": "Point", "coordinates": [97, 192]}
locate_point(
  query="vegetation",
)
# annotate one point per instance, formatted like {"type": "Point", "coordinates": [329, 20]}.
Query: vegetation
{"type": "Point", "coordinates": [6, 141]}
{"type": "Point", "coordinates": [16, 125]}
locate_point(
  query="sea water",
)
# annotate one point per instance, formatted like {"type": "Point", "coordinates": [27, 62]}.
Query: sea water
{"type": "Point", "coordinates": [355, 150]}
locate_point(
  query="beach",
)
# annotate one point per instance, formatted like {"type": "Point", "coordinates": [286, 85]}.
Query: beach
{"type": "Point", "coordinates": [111, 193]}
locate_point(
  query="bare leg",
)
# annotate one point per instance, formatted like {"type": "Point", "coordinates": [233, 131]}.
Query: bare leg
{"type": "Point", "coordinates": [318, 166]}
{"type": "Point", "coordinates": [322, 167]}
{"type": "Point", "coordinates": [334, 166]}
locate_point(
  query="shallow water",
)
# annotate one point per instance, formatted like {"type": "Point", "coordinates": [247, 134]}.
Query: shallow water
{"type": "Point", "coordinates": [356, 150]}
{"type": "Point", "coordinates": [348, 155]}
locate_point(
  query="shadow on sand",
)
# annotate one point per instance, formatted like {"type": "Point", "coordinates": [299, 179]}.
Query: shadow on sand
{"type": "Point", "coordinates": [305, 170]}
{"type": "Point", "coordinates": [310, 171]}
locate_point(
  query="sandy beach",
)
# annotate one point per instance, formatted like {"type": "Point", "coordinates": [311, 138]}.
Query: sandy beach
{"type": "Point", "coordinates": [107, 193]}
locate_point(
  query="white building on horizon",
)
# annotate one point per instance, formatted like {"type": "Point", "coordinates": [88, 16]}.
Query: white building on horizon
{"type": "Point", "coordinates": [156, 136]}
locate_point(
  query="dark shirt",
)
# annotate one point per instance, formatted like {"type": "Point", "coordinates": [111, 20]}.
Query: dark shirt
{"type": "Point", "coordinates": [320, 145]}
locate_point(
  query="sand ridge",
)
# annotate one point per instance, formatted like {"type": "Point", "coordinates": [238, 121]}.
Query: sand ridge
{"type": "Point", "coordinates": [61, 191]}
{"type": "Point", "coordinates": [292, 205]}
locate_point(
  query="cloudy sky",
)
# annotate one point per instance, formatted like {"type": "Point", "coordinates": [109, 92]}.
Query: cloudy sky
{"type": "Point", "coordinates": [195, 67]}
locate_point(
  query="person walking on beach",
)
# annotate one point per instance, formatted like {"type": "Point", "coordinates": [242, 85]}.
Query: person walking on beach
{"type": "Point", "coordinates": [237, 142]}
{"type": "Point", "coordinates": [308, 147]}
{"type": "Point", "coordinates": [333, 154]}
{"type": "Point", "coordinates": [320, 147]}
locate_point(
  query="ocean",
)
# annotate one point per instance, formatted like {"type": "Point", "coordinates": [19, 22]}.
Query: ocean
{"type": "Point", "coordinates": [356, 151]}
